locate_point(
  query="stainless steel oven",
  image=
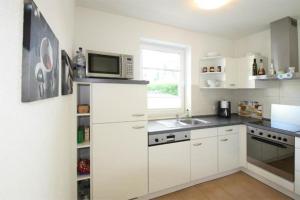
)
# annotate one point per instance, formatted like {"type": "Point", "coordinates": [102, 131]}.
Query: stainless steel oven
{"type": "Point", "coordinates": [272, 151]}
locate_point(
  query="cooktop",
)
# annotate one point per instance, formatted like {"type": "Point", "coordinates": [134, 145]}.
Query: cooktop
{"type": "Point", "coordinates": [278, 125]}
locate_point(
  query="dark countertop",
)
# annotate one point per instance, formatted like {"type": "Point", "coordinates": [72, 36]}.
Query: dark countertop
{"type": "Point", "coordinates": [154, 127]}
{"type": "Point", "coordinates": [110, 80]}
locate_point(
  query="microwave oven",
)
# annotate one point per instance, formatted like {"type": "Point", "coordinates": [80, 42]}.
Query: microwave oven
{"type": "Point", "coordinates": [109, 65]}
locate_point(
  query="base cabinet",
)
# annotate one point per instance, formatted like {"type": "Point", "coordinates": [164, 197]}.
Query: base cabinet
{"type": "Point", "coordinates": [119, 160]}
{"type": "Point", "coordinates": [297, 182]}
{"type": "Point", "coordinates": [297, 166]}
{"type": "Point", "coordinates": [204, 157]}
{"type": "Point", "coordinates": [169, 165]}
{"type": "Point", "coordinates": [228, 152]}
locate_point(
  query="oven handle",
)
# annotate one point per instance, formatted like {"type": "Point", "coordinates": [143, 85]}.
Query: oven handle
{"type": "Point", "coordinates": [268, 142]}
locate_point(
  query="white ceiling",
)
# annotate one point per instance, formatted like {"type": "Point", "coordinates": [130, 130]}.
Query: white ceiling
{"type": "Point", "coordinates": [240, 18]}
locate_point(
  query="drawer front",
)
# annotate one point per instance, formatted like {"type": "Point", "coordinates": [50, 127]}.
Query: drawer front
{"type": "Point", "coordinates": [204, 133]}
{"type": "Point", "coordinates": [227, 130]}
{"type": "Point", "coordinates": [297, 160]}
{"type": "Point", "coordinates": [297, 142]}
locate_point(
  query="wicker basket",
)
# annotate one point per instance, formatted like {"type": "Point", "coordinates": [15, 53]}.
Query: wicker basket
{"type": "Point", "coordinates": [83, 108]}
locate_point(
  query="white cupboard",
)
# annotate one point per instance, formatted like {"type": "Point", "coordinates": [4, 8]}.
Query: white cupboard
{"type": "Point", "coordinates": [297, 166]}
{"type": "Point", "coordinates": [169, 165]}
{"type": "Point", "coordinates": [228, 151]}
{"type": "Point", "coordinates": [118, 102]}
{"type": "Point", "coordinates": [231, 73]}
{"type": "Point", "coordinates": [120, 163]}
{"type": "Point", "coordinates": [204, 157]}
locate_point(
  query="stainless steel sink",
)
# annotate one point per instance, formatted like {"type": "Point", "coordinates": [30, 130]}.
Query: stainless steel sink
{"type": "Point", "coordinates": [193, 121]}
{"type": "Point", "coordinates": [183, 122]}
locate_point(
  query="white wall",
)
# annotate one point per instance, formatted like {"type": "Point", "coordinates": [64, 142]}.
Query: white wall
{"type": "Point", "coordinates": [102, 31]}
{"type": "Point", "coordinates": [37, 145]}
{"type": "Point", "coordinates": [283, 92]}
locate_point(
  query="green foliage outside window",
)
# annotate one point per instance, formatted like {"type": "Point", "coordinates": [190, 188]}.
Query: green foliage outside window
{"type": "Point", "coordinates": [171, 89]}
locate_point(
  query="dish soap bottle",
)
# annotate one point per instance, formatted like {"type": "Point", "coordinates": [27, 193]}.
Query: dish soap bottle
{"type": "Point", "coordinates": [254, 68]}
{"type": "Point", "coordinates": [261, 70]}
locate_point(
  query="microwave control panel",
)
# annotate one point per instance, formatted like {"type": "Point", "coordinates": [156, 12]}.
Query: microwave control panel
{"type": "Point", "coordinates": [128, 65]}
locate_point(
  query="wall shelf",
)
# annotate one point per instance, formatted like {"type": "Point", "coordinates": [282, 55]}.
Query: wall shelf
{"type": "Point", "coordinates": [83, 145]}
{"type": "Point", "coordinates": [83, 114]}
{"type": "Point", "coordinates": [83, 177]}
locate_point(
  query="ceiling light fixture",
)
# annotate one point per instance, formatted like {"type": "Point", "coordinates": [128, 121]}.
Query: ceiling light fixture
{"type": "Point", "coordinates": [211, 4]}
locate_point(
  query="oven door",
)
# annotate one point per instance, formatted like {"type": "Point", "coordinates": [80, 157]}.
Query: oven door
{"type": "Point", "coordinates": [276, 158]}
{"type": "Point", "coordinates": [103, 65]}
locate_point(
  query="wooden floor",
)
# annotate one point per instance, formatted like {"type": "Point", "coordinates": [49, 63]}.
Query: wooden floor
{"type": "Point", "coordinates": [238, 186]}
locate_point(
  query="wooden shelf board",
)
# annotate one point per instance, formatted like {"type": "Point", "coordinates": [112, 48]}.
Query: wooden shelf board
{"type": "Point", "coordinates": [212, 73]}
{"type": "Point", "coordinates": [83, 114]}
{"type": "Point", "coordinates": [83, 177]}
{"type": "Point", "coordinates": [83, 145]}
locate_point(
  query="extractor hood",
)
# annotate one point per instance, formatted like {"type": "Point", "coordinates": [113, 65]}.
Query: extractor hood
{"type": "Point", "coordinates": [284, 49]}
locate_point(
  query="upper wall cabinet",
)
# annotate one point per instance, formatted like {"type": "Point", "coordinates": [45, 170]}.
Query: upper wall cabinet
{"type": "Point", "coordinates": [118, 103]}
{"type": "Point", "coordinates": [235, 73]}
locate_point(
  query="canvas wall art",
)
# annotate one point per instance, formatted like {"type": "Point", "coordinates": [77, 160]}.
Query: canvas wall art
{"type": "Point", "coordinates": [40, 67]}
{"type": "Point", "coordinates": [66, 74]}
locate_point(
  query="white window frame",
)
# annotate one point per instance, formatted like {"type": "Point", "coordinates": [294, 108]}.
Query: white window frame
{"type": "Point", "coordinates": [171, 48]}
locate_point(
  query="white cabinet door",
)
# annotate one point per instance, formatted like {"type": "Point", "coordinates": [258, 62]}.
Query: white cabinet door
{"type": "Point", "coordinates": [169, 165]}
{"type": "Point", "coordinates": [228, 146]}
{"type": "Point", "coordinates": [118, 102]}
{"type": "Point", "coordinates": [231, 73]}
{"type": "Point", "coordinates": [204, 157]}
{"type": "Point", "coordinates": [119, 160]}
{"type": "Point", "coordinates": [297, 182]}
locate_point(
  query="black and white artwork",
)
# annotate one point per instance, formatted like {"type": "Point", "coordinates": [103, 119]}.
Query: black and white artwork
{"type": "Point", "coordinates": [66, 74]}
{"type": "Point", "coordinates": [40, 68]}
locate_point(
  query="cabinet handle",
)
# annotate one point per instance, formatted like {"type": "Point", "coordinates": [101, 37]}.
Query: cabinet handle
{"type": "Point", "coordinates": [138, 115]}
{"type": "Point", "coordinates": [232, 84]}
{"type": "Point", "coordinates": [197, 144]}
{"type": "Point", "coordinates": [229, 130]}
{"type": "Point", "coordinates": [138, 127]}
{"type": "Point", "coordinates": [224, 140]}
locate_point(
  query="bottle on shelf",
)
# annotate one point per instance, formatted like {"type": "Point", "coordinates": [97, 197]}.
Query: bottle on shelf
{"type": "Point", "coordinates": [80, 63]}
{"type": "Point", "coordinates": [261, 69]}
{"type": "Point", "coordinates": [271, 69]}
{"type": "Point", "coordinates": [254, 68]}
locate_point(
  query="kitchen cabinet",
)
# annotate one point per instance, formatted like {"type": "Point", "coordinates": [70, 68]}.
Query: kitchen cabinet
{"type": "Point", "coordinates": [204, 157]}
{"type": "Point", "coordinates": [228, 151]}
{"type": "Point", "coordinates": [231, 73]}
{"type": "Point", "coordinates": [119, 160]}
{"type": "Point", "coordinates": [169, 165]}
{"type": "Point", "coordinates": [237, 73]}
{"type": "Point", "coordinates": [297, 182]}
{"type": "Point", "coordinates": [297, 165]}
{"type": "Point", "coordinates": [118, 102]}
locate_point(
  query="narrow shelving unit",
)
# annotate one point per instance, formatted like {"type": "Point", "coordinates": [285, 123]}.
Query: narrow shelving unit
{"type": "Point", "coordinates": [212, 80]}
{"type": "Point", "coordinates": [83, 139]}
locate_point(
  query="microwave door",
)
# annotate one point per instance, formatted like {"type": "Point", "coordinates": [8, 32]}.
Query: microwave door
{"type": "Point", "coordinates": [105, 66]}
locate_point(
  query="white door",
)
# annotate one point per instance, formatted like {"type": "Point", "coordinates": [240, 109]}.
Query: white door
{"type": "Point", "coordinates": [228, 146]}
{"type": "Point", "coordinates": [204, 157]}
{"type": "Point", "coordinates": [118, 102]}
{"type": "Point", "coordinates": [169, 165]}
{"type": "Point", "coordinates": [231, 73]}
{"type": "Point", "coordinates": [119, 160]}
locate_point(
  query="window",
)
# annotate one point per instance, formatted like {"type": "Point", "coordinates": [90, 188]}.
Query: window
{"type": "Point", "coordinates": [163, 66]}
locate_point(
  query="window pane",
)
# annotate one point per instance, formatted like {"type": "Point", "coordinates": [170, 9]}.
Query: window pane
{"type": "Point", "coordinates": [161, 60]}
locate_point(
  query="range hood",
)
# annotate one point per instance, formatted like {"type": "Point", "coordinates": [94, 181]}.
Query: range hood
{"type": "Point", "coordinates": [284, 49]}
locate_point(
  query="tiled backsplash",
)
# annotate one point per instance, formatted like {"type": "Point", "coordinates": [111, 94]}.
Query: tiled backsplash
{"type": "Point", "coordinates": [284, 92]}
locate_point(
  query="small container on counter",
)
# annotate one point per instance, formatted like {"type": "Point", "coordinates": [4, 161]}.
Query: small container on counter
{"type": "Point", "coordinates": [211, 69]}
{"type": "Point", "coordinates": [204, 69]}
